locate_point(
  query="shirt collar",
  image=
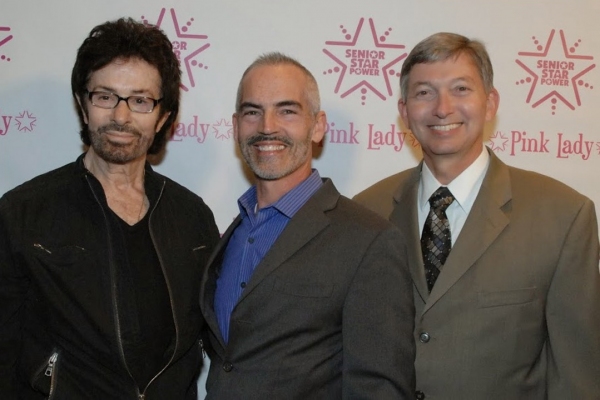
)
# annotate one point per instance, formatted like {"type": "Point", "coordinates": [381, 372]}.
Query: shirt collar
{"type": "Point", "coordinates": [289, 203]}
{"type": "Point", "coordinates": [461, 187]}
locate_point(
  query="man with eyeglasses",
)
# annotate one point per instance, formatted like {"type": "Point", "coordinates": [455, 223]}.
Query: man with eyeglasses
{"type": "Point", "coordinates": [101, 260]}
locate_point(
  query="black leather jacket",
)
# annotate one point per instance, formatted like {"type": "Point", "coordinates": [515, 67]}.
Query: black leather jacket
{"type": "Point", "coordinates": [59, 263]}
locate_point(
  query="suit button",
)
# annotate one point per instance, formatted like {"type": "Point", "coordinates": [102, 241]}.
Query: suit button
{"type": "Point", "coordinates": [419, 395]}
{"type": "Point", "coordinates": [227, 366]}
{"type": "Point", "coordinates": [424, 337]}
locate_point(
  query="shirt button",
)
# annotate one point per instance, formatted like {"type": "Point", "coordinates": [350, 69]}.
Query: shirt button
{"type": "Point", "coordinates": [424, 337]}
{"type": "Point", "coordinates": [419, 395]}
{"type": "Point", "coordinates": [243, 285]}
{"type": "Point", "coordinates": [251, 240]}
{"type": "Point", "coordinates": [227, 366]}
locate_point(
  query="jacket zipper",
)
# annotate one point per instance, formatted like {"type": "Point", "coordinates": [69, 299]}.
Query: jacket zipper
{"type": "Point", "coordinates": [50, 372]}
{"type": "Point", "coordinates": [169, 289]}
{"type": "Point", "coordinates": [202, 351]}
{"type": "Point", "coordinates": [140, 396]}
{"type": "Point", "coordinates": [39, 246]}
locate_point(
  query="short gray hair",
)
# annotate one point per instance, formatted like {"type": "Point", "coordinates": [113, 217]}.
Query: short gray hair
{"type": "Point", "coordinates": [442, 46]}
{"type": "Point", "coordinates": [276, 58]}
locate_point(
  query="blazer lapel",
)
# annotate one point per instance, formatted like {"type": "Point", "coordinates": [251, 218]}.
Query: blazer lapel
{"type": "Point", "coordinates": [485, 222]}
{"type": "Point", "coordinates": [305, 225]}
{"type": "Point", "coordinates": [405, 217]}
{"type": "Point", "coordinates": [209, 285]}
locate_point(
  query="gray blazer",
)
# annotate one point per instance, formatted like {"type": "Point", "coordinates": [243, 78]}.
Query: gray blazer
{"type": "Point", "coordinates": [327, 314]}
{"type": "Point", "coordinates": [515, 312]}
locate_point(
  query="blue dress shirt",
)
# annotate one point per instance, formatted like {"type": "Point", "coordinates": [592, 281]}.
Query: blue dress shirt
{"type": "Point", "coordinates": [252, 239]}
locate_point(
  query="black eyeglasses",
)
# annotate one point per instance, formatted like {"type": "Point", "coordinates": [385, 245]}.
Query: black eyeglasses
{"type": "Point", "coordinates": [108, 100]}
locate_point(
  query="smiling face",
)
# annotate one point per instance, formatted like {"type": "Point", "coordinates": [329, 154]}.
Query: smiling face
{"type": "Point", "coordinates": [275, 125]}
{"type": "Point", "coordinates": [446, 108]}
{"type": "Point", "coordinates": [120, 135]}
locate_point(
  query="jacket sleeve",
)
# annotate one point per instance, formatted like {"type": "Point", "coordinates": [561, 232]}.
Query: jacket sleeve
{"type": "Point", "coordinates": [378, 321]}
{"type": "Point", "coordinates": [573, 314]}
{"type": "Point", "coordinates": [13, 286]}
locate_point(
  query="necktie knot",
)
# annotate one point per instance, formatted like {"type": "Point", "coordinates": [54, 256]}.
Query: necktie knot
{"type": "Point", "coordinates": [441, 199]}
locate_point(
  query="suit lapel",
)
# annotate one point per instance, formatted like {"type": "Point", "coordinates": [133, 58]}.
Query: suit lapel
{"type": "Point", "coordinates": [209, 285]}
{"type": "Point", "coordinates": [404, 216]}
{"type": "Point", "coordinates": [484, 223]}
{"type": "Point", "coordinates": [305, 225]}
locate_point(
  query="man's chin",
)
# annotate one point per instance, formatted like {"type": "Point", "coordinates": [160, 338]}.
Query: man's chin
{"type": "Point", "coordinates": [267, 175]}
{"type": "Point", "coordinates": [117, 157]}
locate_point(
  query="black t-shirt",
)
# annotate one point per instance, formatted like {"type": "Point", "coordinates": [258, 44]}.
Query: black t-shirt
{"type": "Point", "coordinates": [146, 318]}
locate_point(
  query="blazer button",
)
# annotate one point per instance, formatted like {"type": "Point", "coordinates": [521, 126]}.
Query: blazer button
{"type": "Point", "coordinates": [424, 337]}
{"type": "Point", "coordinates": [227, 366]}
{"type": "Point", "coordinates": [419, 395]}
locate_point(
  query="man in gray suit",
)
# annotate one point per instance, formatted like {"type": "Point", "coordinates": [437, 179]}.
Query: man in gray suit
{"type": "Point", "coordinates": [505, 273]}
{"type": "Point", "coordinates": [308, 295]}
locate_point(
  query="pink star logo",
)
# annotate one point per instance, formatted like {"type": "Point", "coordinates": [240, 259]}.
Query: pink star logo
{"type": "Point", "coordinates": [25, 121]}
{"type": "Point", "coordinates": [598, 147]}
{"type": "Point", "coordinates": [555, 72]}
{"type": "Point", "coordinates": [364, 62]}
{"type": "Point", "coordinates": [222, 129]}
{"type": "Point", "coordinates": [187, 46]}
{"type": "Point", "coordinates": [4, 40]}
{"type": "Point", "coordinates": [498, 141]}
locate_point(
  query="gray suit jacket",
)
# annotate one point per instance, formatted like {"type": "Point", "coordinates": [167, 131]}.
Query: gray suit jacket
{"type": "Point", "coordinates": [515, 312]}
{"type": "Point", "coordinates": [327, 314]}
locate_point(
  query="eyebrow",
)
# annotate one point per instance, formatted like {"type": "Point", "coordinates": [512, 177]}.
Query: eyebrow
{"type": "Point", "coordinates": [283, 103]}
{"type": "Point", "coordinates": [136, 92]}
{"type": "Point", "coordinates": [247, 104]}
{"type": "Point", "coordinates": [458, 79]}
{"type": "Point", "coordinates": [288, 103]}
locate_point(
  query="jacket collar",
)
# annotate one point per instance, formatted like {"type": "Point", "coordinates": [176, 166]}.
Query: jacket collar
{"type": "Point", "coordinates": [153, 182]}
{"type": "Point", "coordinates": [307, 223]}
{"type": "Point", "coordinates": [489, 216]}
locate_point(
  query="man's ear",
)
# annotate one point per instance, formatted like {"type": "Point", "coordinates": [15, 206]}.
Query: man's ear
{"type": "Point", "coordinates": [320, 127]}
{"type": "Point", "coordinates": [162, 121]}
{"type": "Point", "coordinates": [493, 102]}
{"type": "Point", "coordinates": [403, 112]}
{"type": "Point", "coordinates": [234, 121]}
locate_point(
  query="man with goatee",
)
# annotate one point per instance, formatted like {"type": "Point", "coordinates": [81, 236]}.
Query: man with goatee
{"type": "Point", "coordinates": [101, 260]}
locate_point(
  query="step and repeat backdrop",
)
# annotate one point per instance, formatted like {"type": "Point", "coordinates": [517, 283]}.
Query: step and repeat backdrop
{"type": "Point", "coordinates": [545, 56]}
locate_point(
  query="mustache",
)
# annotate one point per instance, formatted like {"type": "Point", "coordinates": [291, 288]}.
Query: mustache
{"type": "Point", "coordinates": [252, 140]}
{"type": "Point", "coordinates": [113, 127]}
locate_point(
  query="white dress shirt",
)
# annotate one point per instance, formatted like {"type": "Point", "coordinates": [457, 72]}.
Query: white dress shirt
{"type": "Point", "coordinates": [464, 188]}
